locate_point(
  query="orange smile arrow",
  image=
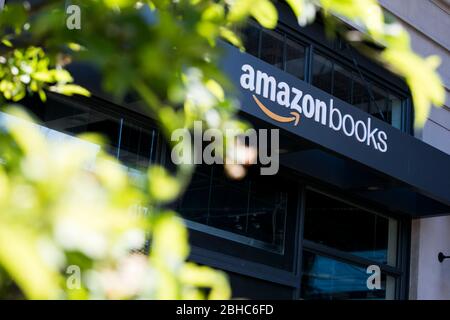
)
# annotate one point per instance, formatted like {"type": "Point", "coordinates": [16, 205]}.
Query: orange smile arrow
{"type": "Point", "coordinates": [276, 117]}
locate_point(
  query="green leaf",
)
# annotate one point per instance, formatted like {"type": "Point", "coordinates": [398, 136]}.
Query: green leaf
{"type": "Point", "coordinates": [42, 95]}
{"type": "Point", "coordinates": [7, 43]}
{"type": "Point", "coordinates": [424, 82]}
{"type": "Point", "coordinates": [119, 3]}
{"type": "Point", "coordinates": [70, 89]}
{"type": "Point", "coordinates": [75, 46]}
{"type": "Point", "coordinates": [265, 13]}
{"type": "Point", "coordinates": [296, 6]}
{"type": "Point", "coordinates": [61, 75]}
{"type": "Point", "coordinates": [170, 240]}
{"type": "Point", "coordinates": [216, 89]}
{"type": "Point", "coordinates": [231, 37]}
{"type": "Point", "coordinates": [239, 10]}
{"type": "Point", "coordinates": [43, 76]}
{"type": "Point", "coordinates": [162, 186]}
{"type": "Point", "coordinates": [215, 12]}
{"type": "Point", "coordinates": [205, 277]}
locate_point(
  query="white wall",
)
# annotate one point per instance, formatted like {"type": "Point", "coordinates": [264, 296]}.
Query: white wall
{"type": "Point", "coordinates": [428, 23]}
{"type": "Point", "coordinates": [430, 279]}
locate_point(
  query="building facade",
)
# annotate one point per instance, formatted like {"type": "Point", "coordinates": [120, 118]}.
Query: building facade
{"type": "Point", "coordinates": [359, 191]}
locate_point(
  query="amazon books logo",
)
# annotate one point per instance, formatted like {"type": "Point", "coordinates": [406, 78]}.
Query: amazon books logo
{"type": "Point", "coordinates": [302, 106]}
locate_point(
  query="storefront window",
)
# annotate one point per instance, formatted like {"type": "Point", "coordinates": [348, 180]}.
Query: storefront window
{"type": "Point", "coordinates": [322, 74]}
{"type": "Point", "coordinates": [378, 106]}
{"type": "Point", "coordinates": [348, 228]}
{"type": "Point", "coordinates": [137, 146]}
{"type": "Point", "coordinates": [395, 105]}
{"type": "Point", "coordinates": [350, 87]}
{"type": "Point", "coordinates": [73, 118]}
{"type": "Point", "coordinates": [330, 279]}
{"type": "Point", "coordinates": [276, 49]}
{"type": "Point", "coordinates": [250, 37]}
{"type": "Point", "coordinates": [134, 146]}
{"type": "Point", "coordinates": [295, 59]}
{"type": "Point", "coordinates": [360, 94]}
{"type": "Point", "coordinates": [342, 83]}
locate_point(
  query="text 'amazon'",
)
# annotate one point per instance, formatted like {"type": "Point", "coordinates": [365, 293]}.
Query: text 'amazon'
{"type": "Point", "coordinates": [326, 114]}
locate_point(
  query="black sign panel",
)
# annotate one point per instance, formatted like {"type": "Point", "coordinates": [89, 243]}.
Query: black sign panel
{"type": "Point", "coordinates": [281, 99]}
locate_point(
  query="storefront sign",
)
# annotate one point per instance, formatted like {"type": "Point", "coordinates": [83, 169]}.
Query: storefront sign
{"type": "Point", "coordinates": [282, 95]}
{"type": "Point", "coordinates": [283, 100]}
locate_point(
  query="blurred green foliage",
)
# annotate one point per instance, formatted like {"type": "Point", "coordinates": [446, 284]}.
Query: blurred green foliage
{"type": "Point", "coordinates": [71, 204]}
{"type": "Point", "coordinates": [65, 205]}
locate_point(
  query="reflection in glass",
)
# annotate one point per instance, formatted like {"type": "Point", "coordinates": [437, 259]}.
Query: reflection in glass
{"type": "Point", "coordinates": [272, 48]}
{"type": "Point", "coordinates": [267, 212]}
{"type": "Point", "coordinates": [254, 207]}
{"type": "Point", "coordinates": [378, 106]}
{"type": "Point", "coordinates": [329, 279]}
{"type": "Point", "coordinates": [250, 37]}
{"type": "Point", "coordinates": [73, 118]}
{"type": "Point", "coordinates": [228, 206]}
{"type": "Point", "coordinates": [134, 146]}
{"type": "Point", "coordinates": [137, 150]}
{"type": "Point", "coordinates": [342, 85]}
{"type": "Point", "coordinates": [351, 229]}
{"type": "Point", "coordinates": [361, 97]}
{"type": "Point", "coordinates": [137, 146]}
{"type": "Point", "coordinates": [295, 59]}
{"type": "Point", "coordinates": [395, 105]}
{"type": "Point", "coordinates": [322, 73]}
{"type": "Point", "coordinates": [54, 137]}
{"type": "Point", "coordinates": [194, 204]}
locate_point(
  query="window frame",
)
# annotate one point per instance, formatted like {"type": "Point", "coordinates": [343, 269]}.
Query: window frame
{"type": "Point", "coordinates": [370, 79]}
{"type": "Point", "coordinates": [400, 272]}
{"type": "Point", "coordinates": [286, 35]}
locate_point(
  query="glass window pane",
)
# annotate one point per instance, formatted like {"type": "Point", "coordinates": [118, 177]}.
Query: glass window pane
{"type": "Point", "coordinates": [194, 204]}
{"type": "Point", "coordinates": [295, 59]}
{"type": "Point", "coordinates": [379, 105]}
{"type": "Point", "coordinates": [272, 48]}
{"type": "Point", "coordinates": [329, 279]}
{"type": "Point", "coordinates": [342, 226]}
{"type": "Point", "coordinates": [361, 95]}
{"type": "Point", "coordinates": [69, 117]}
{"type": "Point", "coordinates": [255, 207]}
{"type": "Point", "coordinates": [342, 86]}
{"type": "Point", "coordinates": [267, 211]}
{"type": "Point", "coordinates": [250, 37]}
{"type": "Point", "coordinates": [322, 73]}
{"type": "Point", "coordinates": [228, 208]}
{"type": "Point", "coordinates": [54, 137]}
